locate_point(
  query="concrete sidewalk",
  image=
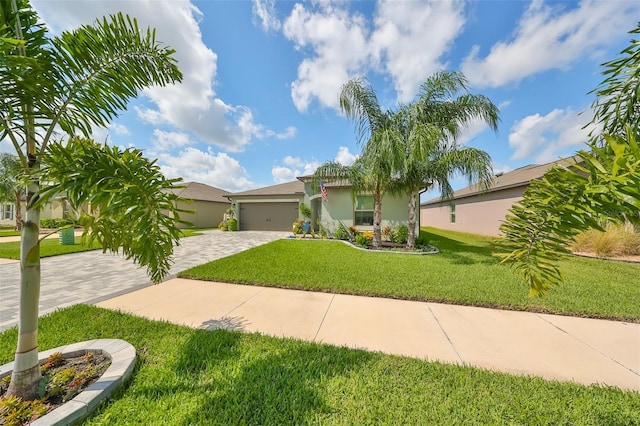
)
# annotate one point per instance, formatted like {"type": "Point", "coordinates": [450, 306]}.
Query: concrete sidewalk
{"type": "Point", "coordinates": [556, 347]}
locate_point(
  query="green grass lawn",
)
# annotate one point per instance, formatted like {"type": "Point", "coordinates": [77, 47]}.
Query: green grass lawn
{"type": "Point", "coordinates": [465, 272]}
{"type": "Point", "coordinates": [196, 377]}
{"type": "Point", "coordinates": [9, 232]}
{"type": "Point", "coordinates": [48, 247]}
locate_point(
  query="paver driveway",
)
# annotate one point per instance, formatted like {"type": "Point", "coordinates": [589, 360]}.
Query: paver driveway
{"type": "Point", "coordinates": [92, 276]}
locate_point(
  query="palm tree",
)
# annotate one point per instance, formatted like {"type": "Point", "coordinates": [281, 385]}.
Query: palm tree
{"type": "Point", "coordinates": [11, 189]}
{"type": "Point", "coordinates": [71, 83]}
{"type": "Point", "coordinates": [382, 150]}
{"type": "Point", "coordinates": [430, 128]}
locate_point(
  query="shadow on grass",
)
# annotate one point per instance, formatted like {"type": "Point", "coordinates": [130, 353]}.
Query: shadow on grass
{"type": "Point", "coordinates": [250, 379]}
{"type": "Point", "coordinates": [461, 253]}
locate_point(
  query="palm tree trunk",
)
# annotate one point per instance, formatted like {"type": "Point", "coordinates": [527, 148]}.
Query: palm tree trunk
{"type": "Point", "coordinates": [26, 371]}
{"type": "Point", "coordinates": [377, 218]}
{"type": "Point", "coordinates": [18, 204]}
{"type": "Point", "coordinates": [411, 239]}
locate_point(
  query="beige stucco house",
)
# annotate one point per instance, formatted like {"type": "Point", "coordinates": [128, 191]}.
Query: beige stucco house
{"type": "Point", "coordinates": [482, 212]}
{"type": "Point", "coordinates": [53, 210]}
{"type": "Point", "coordinates": [207, 203]}
{"type": "Point", "coordinates": [275, 208]}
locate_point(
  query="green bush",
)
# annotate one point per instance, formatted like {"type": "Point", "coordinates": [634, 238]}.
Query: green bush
{"type": "Point", "coordinates": [54, 223]}
{"type": "Point", "coordinates": [232, 224]}
{"type": "Point", "coordinates": [362, 240]}
{"type": "Point", "coordinates": [422, 241]}
{"type": "Point", "coordinates": [305, 211]}
{"type": "Point", "coordinates": [400, 235]}
{"type": "Point", "coordinates": [222, 226]}
{"type": "Point", "coordinates": [341, 232]}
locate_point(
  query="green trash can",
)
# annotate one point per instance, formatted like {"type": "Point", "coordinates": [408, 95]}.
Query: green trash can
{"type": "Point", "coordinates": [67, 238]}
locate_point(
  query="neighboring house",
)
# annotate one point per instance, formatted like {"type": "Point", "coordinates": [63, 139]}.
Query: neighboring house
{"type": "Point", "coordinates": [53, 210]}
{"type": "Point", "coordinates": [482, 212]}
{"type": "Point", "coordinates": [207, 203]}
{"type": "Point", "coordinates": [275, 208]}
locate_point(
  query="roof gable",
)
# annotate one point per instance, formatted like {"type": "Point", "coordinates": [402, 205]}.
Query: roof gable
{"type": "Point", "coordinates": [202, 192]}
{"type": "Point", "coordinates": [289, 188]}
{"type": "Point", "coordinates": [519, 177]}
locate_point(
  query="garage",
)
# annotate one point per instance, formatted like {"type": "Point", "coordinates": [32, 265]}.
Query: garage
{"type": "Point", "coordinates": [268, 216]}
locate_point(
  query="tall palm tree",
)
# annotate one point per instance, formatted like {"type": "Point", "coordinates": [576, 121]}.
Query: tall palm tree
{"type": "Point", "coordinates": [378, 133]}
{"type": "Point", "coordinates": [430, 128]}
{"type": "Point", "coordinates": [71, 83]}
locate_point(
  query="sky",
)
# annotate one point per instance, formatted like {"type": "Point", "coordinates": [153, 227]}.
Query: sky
{"type": "Point", "coordinates": [259, 101]}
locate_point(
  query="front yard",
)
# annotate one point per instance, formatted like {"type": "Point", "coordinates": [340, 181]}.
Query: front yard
{"type": "Point", "coordinates": [465, 272]}
{"type": "Point", "coordinates": [197, 377]}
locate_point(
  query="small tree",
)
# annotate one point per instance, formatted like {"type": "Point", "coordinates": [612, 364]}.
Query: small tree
{"type": "Point", "coordinates": [604, 183]}
{"type": "Point", "coordinates": [70, 83]}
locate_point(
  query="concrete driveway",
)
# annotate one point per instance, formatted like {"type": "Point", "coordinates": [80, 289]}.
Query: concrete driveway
{"type": "Point", "coordinates": [92, 276]}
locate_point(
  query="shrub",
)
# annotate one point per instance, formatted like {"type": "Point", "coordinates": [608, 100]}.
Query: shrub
{"type": "Point", "coordinates": [54, 223]}
{"type": "Point", "coordinates": [362, 240]}
{"type": "Point", "coordinates": [422, 241]}
{"type": "Point", "coordinates": [297, 226]}
{"type": "Point", "coordinates": [616, 240]}
{"type": "Point", "coordinates": [386, 232]}
{"type": "Point", "coordinates": [232, 224]}
{"type": "Point", "coordinates": [305, 211]}
{"type": "Point", "coordinates": [222, 226]}
{"type": "Point", "coordinates": [400, 235]}
{"type": "Point", "coordinates": [341, 232]}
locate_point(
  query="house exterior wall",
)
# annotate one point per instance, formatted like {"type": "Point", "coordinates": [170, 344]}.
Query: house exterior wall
{"type": "Point", "coordinates": [340, 208]}
{"type": "Point", "coordinates": [206, 214]}
{"type": "Point", "coordinates": [479, 214]}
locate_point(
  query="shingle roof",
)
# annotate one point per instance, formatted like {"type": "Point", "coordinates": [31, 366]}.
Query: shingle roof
{"type": "Point", "coordinates": [513, 179]}
{"type": "Point", "coordinates": [202, 192]}
{"type": "Point", "coordinates": [290, 188]}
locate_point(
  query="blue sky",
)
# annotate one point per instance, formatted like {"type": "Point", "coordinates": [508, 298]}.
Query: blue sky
{"type": "Point", "coordinates": [258, 104]}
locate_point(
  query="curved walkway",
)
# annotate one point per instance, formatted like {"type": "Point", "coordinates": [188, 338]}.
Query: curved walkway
{"type": "Point", "coordinates": [551, 346]}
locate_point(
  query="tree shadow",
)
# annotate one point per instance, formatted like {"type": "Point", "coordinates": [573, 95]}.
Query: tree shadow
{"type": "Point", "coordinates": [283, 382]}
{"type": "Point", "coordinates": [461, 253]}
{"type": "Point", "coordinates": [230, 377]}
{"type": "Point", "coordinates": [225, 323]}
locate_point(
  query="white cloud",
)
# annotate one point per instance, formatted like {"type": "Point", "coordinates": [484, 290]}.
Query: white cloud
{"type": "Point", "coordinates": [338, 42]}
{"type": "Point", "coordinates": [411, 36]}
{"type": "Point", "coordinates": [405, 40]}
{"type": "Point", "coordinates": [292, 168]}
{"type": "Point", "coordinates": [549, 37]}
{"type": "Point", "coordinates": [119, 129]}
{"type": "Point", "coordinates": [191, 105]}
{"type": "Point", "coordinates": [344, 156]}
{"type": "Point", "coordinates": [544, 137]}
{"type": "Point", "coordinates": [166, 141]}
{"type": "Point", "coordinates": [264, 11]}
{"type": "Point", "coordinates": [219, 170]}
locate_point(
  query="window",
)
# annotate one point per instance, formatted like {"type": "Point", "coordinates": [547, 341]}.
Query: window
{"type": "Point", "coordinates": [363, 211]}
{"type": "Point", "coordinates": [452, 207]}
{"type": "Point", "coordinates": [6, 212]}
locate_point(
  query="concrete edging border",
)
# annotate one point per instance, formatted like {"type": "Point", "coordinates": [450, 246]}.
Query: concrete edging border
{"type": "Point", "coordinates": [123, 360]}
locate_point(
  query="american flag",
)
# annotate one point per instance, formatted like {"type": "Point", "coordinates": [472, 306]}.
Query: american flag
{"type": "Point", "coordinates": [323, 191]}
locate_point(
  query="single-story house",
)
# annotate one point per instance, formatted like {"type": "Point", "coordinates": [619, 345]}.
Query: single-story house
{"type": "Point", "coordinates": [208, 204]}
{"type": "Point", "coordinates": [53, 210]}
{"type": "Point", "coordinates": [275, 208]}
{"type": "Point", "coordinates": [481, 212]}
